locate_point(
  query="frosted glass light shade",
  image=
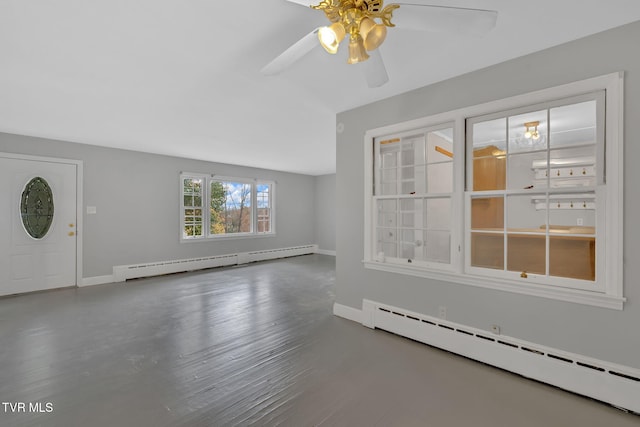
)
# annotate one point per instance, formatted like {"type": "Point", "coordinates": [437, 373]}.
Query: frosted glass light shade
{"type": "Point", "coordinates": [330, 37]}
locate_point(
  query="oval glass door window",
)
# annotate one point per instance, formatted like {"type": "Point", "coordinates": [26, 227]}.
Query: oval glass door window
{"type": "Point", "coordinates": [36, 207]}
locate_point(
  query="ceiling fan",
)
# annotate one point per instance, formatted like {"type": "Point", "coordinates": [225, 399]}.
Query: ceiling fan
{"type": "Point", "coordinates": [365, 23]}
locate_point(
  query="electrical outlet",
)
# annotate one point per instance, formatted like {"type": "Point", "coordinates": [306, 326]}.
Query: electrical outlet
{"type": "Point", "coordinates": [495, 329]}
{"type": "Point", "coordinates": [580, 221]}
{"type": "Point", "coordinates": [442, 312]}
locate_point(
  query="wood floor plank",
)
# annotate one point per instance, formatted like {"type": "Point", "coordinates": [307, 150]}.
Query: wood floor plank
{"type": "Point", "coordinates": [251, 345]}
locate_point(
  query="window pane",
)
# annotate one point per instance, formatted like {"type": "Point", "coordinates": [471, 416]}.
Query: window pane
{"type": "Point", "coordinates": [573, 257]}
{"type": "Point", "coordinates": [571, 217]}
{"type": "Point", "coordinates": [487, 250]}
{"type": "Point", "coordinates": [487, 213]}
{"type": "Point", "coordinates": [187, 185]}
{"type": "Point", "coordinates": [388, 164]}
{"type": "Point", "coordinates": [526, 253]}
{"type": "Point", "coordinates": [440, 146]}
{"type": "Point", "coordinates": [192, 227]}
{"type": "Point", "coordinates": [412, 151]}
{"type": "Point", "coordinates": [525, 215]}
{"type": "Point", "coordinates": [387, 212]}
{"type": "Point", "coordinates": [489, 151]}
{"type": "Point", "coordinates": [411, 213]}
{"type": "Point", "coordinates": [192, 185]}
{"type": "Point", "coordinates": [386, 242]}
{"type": "Point", "coordinates": [439, 214]}
{"type": "Point", "coordinates": [573, 145]}
{"type": "Point", "coordinates": [573, 213]}
{"type": "Point", "coordinates": [263, 198]}
{"type": "Point", "coordinates": [263, 195]}
{"type": "Point", "coordinates": [528, 132]}
{"type": "Point", "coordinates": [438, 246]}
{"type": "Point", "coordinates": [230, 208]}
{"type": "Point", "coordinates": [412, 244]}
{"type": "Point", "coordinates": [524, 171]}
{"type": "Point", "coordinates": [573, 125]}
{"type": "Point", "coordinates": [440, 178]}
{"type": "Point", "coordinates": [389, 157]}
{"type": "Point", "coordinates": [408, 185]}
{"type": "Point", "coordinates": [412, 222]}
{"type": "Point", "coordinates": [440, 161]}
{"type": "Point", "coordinates": [264, 221]}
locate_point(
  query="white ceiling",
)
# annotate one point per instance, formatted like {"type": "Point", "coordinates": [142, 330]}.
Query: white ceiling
{"type": "Point", "coordinates": [182, 77]}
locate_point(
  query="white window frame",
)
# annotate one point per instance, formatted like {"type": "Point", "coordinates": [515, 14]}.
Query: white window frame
{"type": "Point", "coordinates": [599, 189]}
{"type": "Point", "coordinates": [272, 192]}
{"type": "Point", "coordinates": [455, 206]}
{"type": "Point", "coordinates": [206, 199]}
{"type": "Point", "coordinates": [610, 233]}
{"type": "Point", "coordinates": [184, 176]}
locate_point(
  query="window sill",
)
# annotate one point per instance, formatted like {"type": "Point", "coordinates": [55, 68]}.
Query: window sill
{"type": "Point", "coordinates": [544, 291]}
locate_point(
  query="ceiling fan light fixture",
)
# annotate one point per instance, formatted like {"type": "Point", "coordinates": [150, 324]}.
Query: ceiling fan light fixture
{"type": "Point", "coordinates": [373, 34]}
{"type": "Point", "coordinates": [331, 36]}
{"type": "Point", "coordinates": [357, 52]}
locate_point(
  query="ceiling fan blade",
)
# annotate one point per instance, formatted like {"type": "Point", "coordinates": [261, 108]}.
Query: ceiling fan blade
{"type": "Point", "coordinates": [295, 52]}
{"type": "Point", "coordinates": [444, 19]}
{"type": "Point", "coordinates": [307, 3]}
{"type": "Point", "coordinates": [374, 69]}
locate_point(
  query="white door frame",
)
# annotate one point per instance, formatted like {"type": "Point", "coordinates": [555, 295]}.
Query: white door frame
{"type": "Point", "coordinates": [79, 200]}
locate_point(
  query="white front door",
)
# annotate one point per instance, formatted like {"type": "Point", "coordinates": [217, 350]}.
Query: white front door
{"type": "Point", "coordinates": [47, 260]}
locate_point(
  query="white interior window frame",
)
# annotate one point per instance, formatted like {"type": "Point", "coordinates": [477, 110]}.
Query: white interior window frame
{"type": "Point", "coordinates": [205, 218]}
{"type": "Point", "coordinates": [206, 197]}
{"type": "Point", "coordinates": [455, 201]}
{"type": "Point", "coordinates": [600, 189]}
{"type": "Point", "coordinates": [611, 295]}
{"type": "Point", "coordinates": [272, 210]}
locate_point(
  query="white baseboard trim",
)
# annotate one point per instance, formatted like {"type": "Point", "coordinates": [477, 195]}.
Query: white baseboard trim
{"type": "Point", "coordinates": [347, 312]}
{"type": "Point", "coordinates": [96, 280]}
{"type": "Point", "coordinates": [326, 252]}
{"type": "Point", "coordinates": [615, 384]}
{"type": "Point", "coordinates": [136, 271]}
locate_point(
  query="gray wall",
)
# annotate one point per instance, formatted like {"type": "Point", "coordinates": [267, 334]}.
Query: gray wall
{"type": "Point", "coordinates": [325, 209]}
{"type": "Point", "coordinates": [596, 332]}
{"type": "Point", "coordinates": [138, 204]}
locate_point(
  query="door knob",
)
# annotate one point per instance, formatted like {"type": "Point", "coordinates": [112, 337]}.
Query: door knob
{"type": "Point", "coordinates": [71, 233]}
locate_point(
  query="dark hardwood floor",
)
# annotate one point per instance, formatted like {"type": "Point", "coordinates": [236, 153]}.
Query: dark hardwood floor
{"type": "Point", "coordinates": [251, 345]}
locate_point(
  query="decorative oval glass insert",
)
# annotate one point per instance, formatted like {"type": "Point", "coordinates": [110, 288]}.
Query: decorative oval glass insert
{"type": "Point", "coordinates": [36, 207]}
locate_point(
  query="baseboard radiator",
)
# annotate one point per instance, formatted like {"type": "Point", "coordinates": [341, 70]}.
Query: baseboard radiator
{"type": "Point", "coordinates": [136, 271]}
{"type": "Point", "coordinates": [614, 384]}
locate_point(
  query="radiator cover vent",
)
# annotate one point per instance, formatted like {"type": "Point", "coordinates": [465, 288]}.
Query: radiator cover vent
{"type": "Point", "coordinates": [611, 383]}
{"type": "Point", "coordinates": [136, 271]}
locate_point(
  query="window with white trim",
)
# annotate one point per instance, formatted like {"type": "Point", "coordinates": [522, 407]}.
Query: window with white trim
{"type": "Point", "coordinates": [522, 194]}
{"type": "Point", "coordinates": [535, 192]}
{"type": "Point", "coordinates": [263, 207]}
{"type": "Point", "coordinates": [220, 207]}
{"type": "Point", "coordinates": [192, 215]}
{"type": "Point", "coordinates": [412, 196]}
